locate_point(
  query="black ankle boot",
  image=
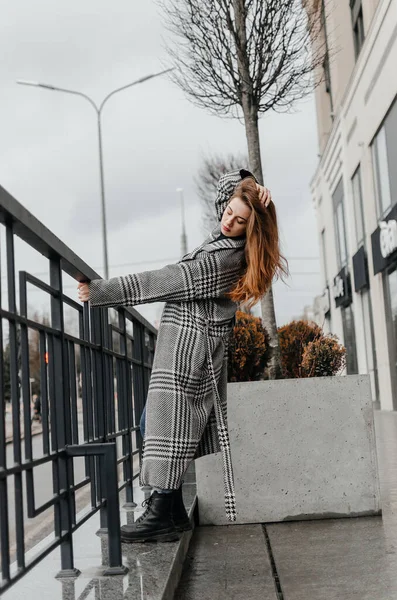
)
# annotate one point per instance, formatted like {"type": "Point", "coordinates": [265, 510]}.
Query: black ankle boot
{"type": "Point", "coordinates": [155, 524]}
{"type": "Point", "coordinates": [179, 514]}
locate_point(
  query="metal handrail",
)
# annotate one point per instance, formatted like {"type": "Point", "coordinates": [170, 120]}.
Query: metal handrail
{"type": "Point", "coordinates": [114, 383]}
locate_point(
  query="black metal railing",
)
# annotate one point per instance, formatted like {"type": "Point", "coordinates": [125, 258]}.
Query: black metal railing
{"type": "Point", "coordinates": [91, 376]}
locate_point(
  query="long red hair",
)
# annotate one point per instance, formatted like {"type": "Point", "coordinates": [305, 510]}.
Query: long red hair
{"type": "Point", "coordinates": [263, 260]}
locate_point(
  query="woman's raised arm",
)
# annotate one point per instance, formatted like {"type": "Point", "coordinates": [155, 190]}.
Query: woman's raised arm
{"type": "Point", "coordinates": [208, 277]}
{"type": "Point", "coordinates": [226, 186]}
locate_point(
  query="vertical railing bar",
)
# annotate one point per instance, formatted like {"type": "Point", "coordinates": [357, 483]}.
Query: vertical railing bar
{"type": "Point", "coordinates": [68, 425]}
{"type": "Point", "coordinates": [107, 342]}
{"type": "Point", "coordinates": [51, 383]}
{"type": "Point", "coordinates": [4, 527]}
{"type": "Point", "coordinates": [127, 398]}
{"type": "Point", "coordinates": [109, 390]}
{"type": "Point", "coordinates": [99, 417]}
{"type": "Point", "coordinates": [120, 423]}
{"type": "Point", "coordinates": [54, 438]}
{"type": "Point", "coordinates": [26, 400]}
{"type": "Point", "coordinates": [130, 463]}
{"type": "Point", "coordinates": [139, 376]}
{"type": "Point", "coordinates": [111, 380]}
{"type": "Point", "coordinates": [90, 422]}
{"type": "Point", "coordinates": [44, 393]}
{"type": "Point", "coordinates": [84, 333]}
{"type": "Point", "coordinates": [16, 424]}
{"type": "Point", "coordinates": [90, 427]}
{"type": "Point", "coordinates": [73, 393]}
{"type": "Point", "coordinates": [86, 391]}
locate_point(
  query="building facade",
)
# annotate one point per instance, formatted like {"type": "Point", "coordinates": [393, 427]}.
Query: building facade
{"type": "Point", "coordinates": [354, 188]}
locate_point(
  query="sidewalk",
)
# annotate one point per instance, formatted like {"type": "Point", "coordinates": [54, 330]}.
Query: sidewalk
{"type": "Point", "coordinates": [36, 426]}
{"type": "Point", "coordinates": [332, 559]}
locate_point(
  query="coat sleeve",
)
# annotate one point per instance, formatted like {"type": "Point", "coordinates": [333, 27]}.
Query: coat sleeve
{"type": "Point", "coordinates": [208, 277]}
{"type": "Point", "coordinates": [226, 186]}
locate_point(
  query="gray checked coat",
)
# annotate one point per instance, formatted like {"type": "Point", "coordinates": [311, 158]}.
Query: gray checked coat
{"type": "Point", "coordinates": [186, 410]}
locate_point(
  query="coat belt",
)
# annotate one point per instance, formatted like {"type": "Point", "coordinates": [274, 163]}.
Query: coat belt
{"type": "Point", "coordinates": [223, 436]}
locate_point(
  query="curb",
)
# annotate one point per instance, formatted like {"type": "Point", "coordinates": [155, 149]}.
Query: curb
{"type": "Point", "coordinates": [178, 561]}
{"type": "Point", "coordinates": [9, 440]}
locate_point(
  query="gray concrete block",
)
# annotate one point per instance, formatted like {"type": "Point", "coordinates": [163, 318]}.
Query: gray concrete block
{"type": "Point", "coordinates": [301, 449]}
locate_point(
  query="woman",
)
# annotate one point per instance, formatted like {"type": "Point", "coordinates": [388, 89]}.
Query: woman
{"type": "Point", "coordinates": [186, 403]}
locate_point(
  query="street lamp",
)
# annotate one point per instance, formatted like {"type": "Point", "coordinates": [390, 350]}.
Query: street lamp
{"type": "Point", "coordinates": [183, 234]}
{"type": "Point", "coordinates": [98, 110]}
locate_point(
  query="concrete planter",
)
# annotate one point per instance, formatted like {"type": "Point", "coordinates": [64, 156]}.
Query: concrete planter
{"type": "Point", "coordinates": [301, 448]}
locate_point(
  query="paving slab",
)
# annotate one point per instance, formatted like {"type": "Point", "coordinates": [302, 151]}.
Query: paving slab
{"type": "Point", "coordinates": [227, 563]}
{"type": "Point", "coordinates": [352, 558]}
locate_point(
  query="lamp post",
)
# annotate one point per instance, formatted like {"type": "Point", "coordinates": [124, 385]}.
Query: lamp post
{"type": "Point", "coordinates": [98, 110]}
{"type": "Point", "coordinates": [183, 234]}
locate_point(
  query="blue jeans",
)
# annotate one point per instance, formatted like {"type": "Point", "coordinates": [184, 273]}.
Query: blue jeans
{"type": "Point", "coordinates": [142, 425]}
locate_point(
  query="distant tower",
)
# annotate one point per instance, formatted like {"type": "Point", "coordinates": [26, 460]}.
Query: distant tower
{"type": "Point", "coordinates": [183, 234]}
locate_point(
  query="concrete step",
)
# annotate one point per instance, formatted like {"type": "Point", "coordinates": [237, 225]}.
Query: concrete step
{"type": "Point", "coordinates": [154, 569]}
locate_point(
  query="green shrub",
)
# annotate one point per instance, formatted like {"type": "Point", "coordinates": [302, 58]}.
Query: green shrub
{"type": "Point", "coordinates": [307, 352]}
{"type": "Point", "coordinates": [323, 357]}
{"type": "Point", "coordinates": [248, 349]}
{"type": "Point", "coordinates": [293, 339]}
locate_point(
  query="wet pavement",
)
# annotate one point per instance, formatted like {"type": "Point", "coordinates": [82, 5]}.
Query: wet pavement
{"type": "Point", "coordinates": [349, 558]}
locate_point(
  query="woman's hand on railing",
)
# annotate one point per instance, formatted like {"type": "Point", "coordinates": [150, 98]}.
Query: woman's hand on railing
{"type": "Point", "coordinates": [264, 195]}
{"type": "Point", "coordinates": [83, 292]}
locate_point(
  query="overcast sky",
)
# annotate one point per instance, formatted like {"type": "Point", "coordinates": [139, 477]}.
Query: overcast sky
{"type": "Point", "coordinates": [153, 137]}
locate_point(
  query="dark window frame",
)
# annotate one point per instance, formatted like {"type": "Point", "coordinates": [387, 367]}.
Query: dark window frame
{"type": "Point", "coordinates": [338, 200]}
{"type": "Point", "coordinates": [391, 337]}
{"type": "Point", "coordinates": [358, 204]}
{"type": "Point", "coordinates": [349, 339]}
{"type": "Point", "coordinates": [326, 63]}
{"type": "Point", "coordinates": [381, 206]}
{"type": "Point", "coordinates": [358, 25]}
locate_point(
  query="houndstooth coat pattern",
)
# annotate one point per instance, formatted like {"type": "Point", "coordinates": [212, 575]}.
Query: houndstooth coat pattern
{"type": "Point", "coordinates": [186, 410]}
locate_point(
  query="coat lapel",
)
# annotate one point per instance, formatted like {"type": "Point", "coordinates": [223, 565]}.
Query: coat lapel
{"type": "Point", "coordinates": [210, 246]}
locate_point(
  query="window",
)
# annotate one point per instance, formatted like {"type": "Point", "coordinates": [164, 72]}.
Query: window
{"type": "Point", "coordinates": [326, 65]}
{"type": "Point", "coordinates": [340, 229]}
{"type": "Point", "coordinates": [370, 343]}
{"type": "Point", "coordinates": [358, 25]}
{"type": "Point", "coordinates": [327, 74]}
{"type": "Point", "coordinates": [381, 167]}
{"type": "Point", "coordinates": [391, 316]}
{"type": "Point", "coordinates": [324, 258]}
{"type": "Point", "coordinates": [349, 336]}
{"type": "Point", "coordinates": [358, 207]}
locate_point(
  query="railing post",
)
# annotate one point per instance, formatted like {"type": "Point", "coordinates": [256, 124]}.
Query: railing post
{"type": "Point", "coordinates": [113, 512]}
{"type": "Point", "coordinates": [108, 453]}
{"type": "Point", "coordinates": [63, 515]}
{"type": "Point", "coordinates": [98, 363]}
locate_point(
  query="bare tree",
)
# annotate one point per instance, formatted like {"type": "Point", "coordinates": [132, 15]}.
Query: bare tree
{"type": "Point", "coordinates": [211, 170]}
{"type": "Point", "coordinates": [241, 58]}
